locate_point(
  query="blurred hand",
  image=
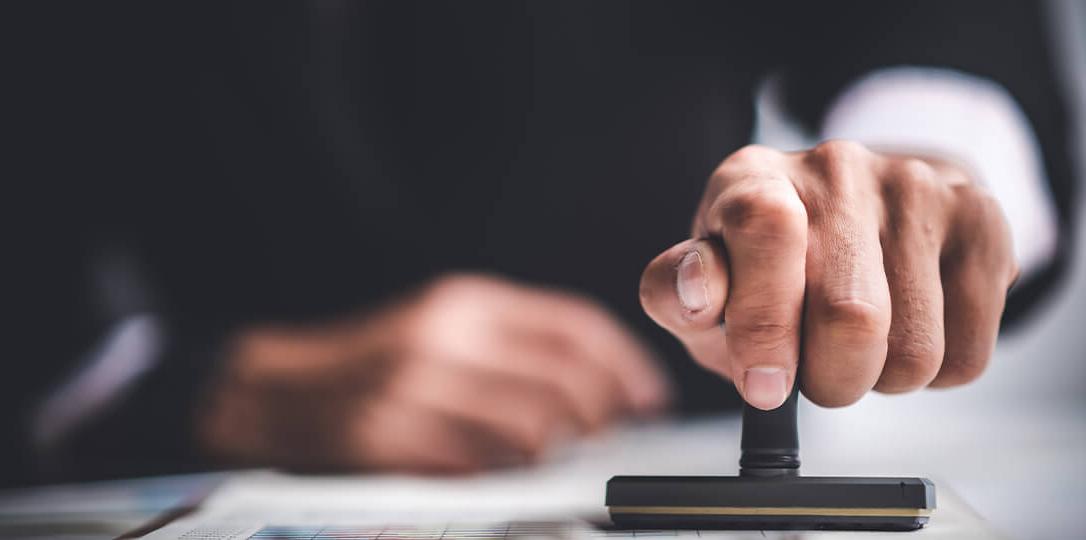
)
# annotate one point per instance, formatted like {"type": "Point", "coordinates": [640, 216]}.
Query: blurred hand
{"type": "Point", "coordinates": [887, 272]}
{"type": "Point", "coordinates": [472, 372]}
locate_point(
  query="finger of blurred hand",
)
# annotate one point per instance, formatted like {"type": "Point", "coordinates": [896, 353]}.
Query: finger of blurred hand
{"type": "Point", "coordinates": [489, 309]}
{"type": "Point", "coordinates": [848, 300]}
{"type": "Point", "coordinates": [593, 394]}
{"type": "Point", "coordinates": [589, 334]}
{"type": "Point", "coordinates": [684, 290]}
{"type": "Point", "coordinates": [763, 224]}
{"type": "Point", "coordinates": [411, 437]}
{"type": "Point", "coordinates": [524, 415]}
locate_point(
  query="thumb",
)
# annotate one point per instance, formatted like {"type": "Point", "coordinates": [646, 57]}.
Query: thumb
{"type": "Point", "coordinates": [684, 290]}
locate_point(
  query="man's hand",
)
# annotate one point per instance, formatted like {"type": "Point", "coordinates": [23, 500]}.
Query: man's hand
{"type": "Point", "coordinates": [471, 372]}
{"type": "Point", "coordinates": [887, 272]}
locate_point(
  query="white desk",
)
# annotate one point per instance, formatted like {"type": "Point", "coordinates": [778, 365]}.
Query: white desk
{"type": "Point", "coordinates": [964, 450]}
{"type": "Point", "coordinates": [1021, 468]}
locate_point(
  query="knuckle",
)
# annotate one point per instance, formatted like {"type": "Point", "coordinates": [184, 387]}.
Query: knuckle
{"type": "Point", "coordinates": [833, 152]}
{"type": "Point", "coordinates": [984, 225]}
{"type": "Point", "coordinates": [832, 397]}
{"type": "Point", "coordinates": [978, 203]}
{"type": "Point", "coordinates": [831, 381]}
{"type": "Point", "coordinates": [458, 296]}
{"type": "Point", "coordinates": [833, 160]}
{"type": "Point", "coordinates": [751, 153]}
{"type": "Point", "coordinates": [920, 360]}
{"type": "Point", "coordinates": [455, 284]}
{"type": "Point", "coordinates": [970, 371]}
{"type": "Point", "coordinates": [762, 328]}
{"type": "Point", "coordinates": [911, 169]}
{"type": "Point", "coordinates": [910, 181]}
{"type": "Point", "coordinates": [910, 366]}
{"type": "Point", "coordinates": [764, 214]}
{"type": "Point", "coordinates": [962, 370]}
{"type": "Point", "coordinates": [991, 215]}
{"type": "Point", "coordinates": [838, 164]}
{"type": "Point", "coordinates": [853, 321]}
{"type": "Point", "coordinates": [910, 192]}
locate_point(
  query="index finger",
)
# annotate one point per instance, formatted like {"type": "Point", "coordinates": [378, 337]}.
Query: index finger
{"type": "Point", "coordinates": [763, 225]}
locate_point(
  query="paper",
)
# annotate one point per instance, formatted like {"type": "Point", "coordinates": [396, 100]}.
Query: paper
{"type": "Point", "coordinates": [560, 499]}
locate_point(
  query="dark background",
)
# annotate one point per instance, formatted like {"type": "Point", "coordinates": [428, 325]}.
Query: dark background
{"type": "Point", "coordinates": [257, 163]}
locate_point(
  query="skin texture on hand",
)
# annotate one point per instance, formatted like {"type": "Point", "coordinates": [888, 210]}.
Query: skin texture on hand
{"type": "Point", "coordinates": [888, 272]}
{"type": "Point", "coordinates": [471, 372]}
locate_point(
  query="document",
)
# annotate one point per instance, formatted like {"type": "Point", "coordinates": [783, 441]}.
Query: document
{"type": "Point", "coordinates": [561, 498]}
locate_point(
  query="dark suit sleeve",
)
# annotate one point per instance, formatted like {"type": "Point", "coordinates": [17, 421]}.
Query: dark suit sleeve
{"type": "Point", "coordinates": [832, 44]}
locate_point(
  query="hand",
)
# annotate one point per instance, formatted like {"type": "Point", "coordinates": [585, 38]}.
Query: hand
{"type": "Point", "coordinates": [472, 372]}
{"type": "Point", "coordinates": [887, 272]}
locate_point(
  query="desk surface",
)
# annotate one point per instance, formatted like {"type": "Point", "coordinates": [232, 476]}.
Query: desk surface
{"type": "Point", "coordinates": [1010, 446]}
{"type": "Point", "coordinates": [971, 451]}
{"type": "Point", "coordinates": [537, 503]}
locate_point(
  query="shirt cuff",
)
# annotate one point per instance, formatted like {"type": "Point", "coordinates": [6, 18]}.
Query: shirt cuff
{"type": "Point", "coordinates": [966, 118]}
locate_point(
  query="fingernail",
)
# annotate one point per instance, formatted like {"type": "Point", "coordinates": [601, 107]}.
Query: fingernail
{"type": "Point", "coordinates": [690, 282]}
{"type": "Point", "coordinates": [765, 387]}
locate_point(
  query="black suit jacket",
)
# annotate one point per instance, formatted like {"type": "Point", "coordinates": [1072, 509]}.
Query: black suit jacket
{"type": "Point", "coordinates": [302, 161]}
